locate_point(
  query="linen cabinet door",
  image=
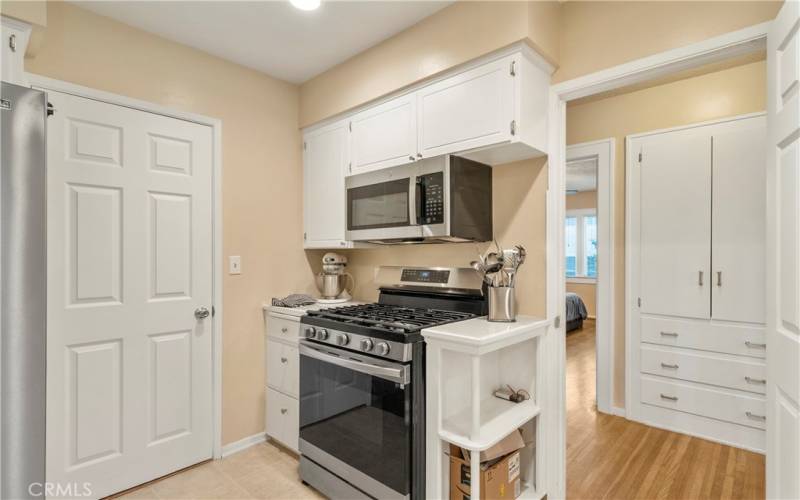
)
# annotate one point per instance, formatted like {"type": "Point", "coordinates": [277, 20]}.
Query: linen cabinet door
{"type": "Point", "coordinates": [468, 110]}
{"type": "Point", "coordinates": [385, 135]}
{"type": "Point", "coordinates": [675, 218]}
{"type": "Point", "coordinates": [739, 222]}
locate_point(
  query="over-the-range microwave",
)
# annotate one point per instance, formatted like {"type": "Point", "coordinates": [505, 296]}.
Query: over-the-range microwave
{"type": "Point", "coordinates": [441, 199]}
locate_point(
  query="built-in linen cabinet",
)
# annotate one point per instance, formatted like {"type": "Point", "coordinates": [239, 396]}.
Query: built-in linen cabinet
{"type": "Point", "coordinates": [384, 136]}
{"type": "Point", "coordinates": [697, 274]}
{"type": "Point", "coordinates": [326, 158]}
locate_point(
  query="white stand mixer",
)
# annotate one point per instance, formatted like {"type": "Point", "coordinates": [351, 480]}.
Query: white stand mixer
{"type": "Point", "coordinates": [333, 280]}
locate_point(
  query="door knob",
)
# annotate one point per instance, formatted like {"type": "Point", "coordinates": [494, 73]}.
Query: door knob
{"type": "Point", "coordinates": [201, 313]}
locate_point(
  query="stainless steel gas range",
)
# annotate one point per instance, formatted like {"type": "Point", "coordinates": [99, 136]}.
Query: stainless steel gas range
{"type": "Point", "coordinates": [362, 383]}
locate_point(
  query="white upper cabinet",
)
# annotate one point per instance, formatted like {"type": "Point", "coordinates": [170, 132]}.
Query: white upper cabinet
{"type": "Point", "coordinates": [468, 110]}
{"type": "Point", "coordinates": [676, 223]}
{"type": "Point", "coordinates": [325, 161]}
{"type": "Point", "coordinates": [739, 220]}
{"type": "Point", "coordinates": [385, 135]}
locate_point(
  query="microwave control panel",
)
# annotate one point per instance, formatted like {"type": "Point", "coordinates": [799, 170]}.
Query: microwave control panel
{"type": "Point", "coordinates": [431, 205]}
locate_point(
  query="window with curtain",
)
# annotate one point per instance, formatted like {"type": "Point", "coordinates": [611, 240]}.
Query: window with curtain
{"type": "Point", "coordinates": [580, 231]}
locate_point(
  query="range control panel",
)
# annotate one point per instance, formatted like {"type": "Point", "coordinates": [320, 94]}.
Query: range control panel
{"type": "Point", "coordinates": [430, 202]}
{"type": "Point", "coordinates": [425, 275]}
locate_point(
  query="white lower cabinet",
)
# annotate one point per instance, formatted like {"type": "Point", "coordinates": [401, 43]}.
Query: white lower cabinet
{"type": "Point", "coordinates": [283, 418]}
{"type": "Point", "coordinates": [283, 377]}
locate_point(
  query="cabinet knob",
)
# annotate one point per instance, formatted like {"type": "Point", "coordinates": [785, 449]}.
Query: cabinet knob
{"type": "Point", "coordinates": [667, 365]}
{"type": "Point", "coordinates": [751, 380]}
{"type": "Point", "coordinates": [284, 329]}
{"type": "Point", "coordinates": [284, 360]}
{"type": "Point", "coordinates": [411, 158]}
{"type": "Point", "coordinates": [283, 411]}
{"type": "Point", "coordinates": [669, 398]}
{"type": "Point", "coordinates": [755, 416]}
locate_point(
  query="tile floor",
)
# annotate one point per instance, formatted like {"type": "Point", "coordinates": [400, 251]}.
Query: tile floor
{"type": "Point", "coordinates": [261, 471]}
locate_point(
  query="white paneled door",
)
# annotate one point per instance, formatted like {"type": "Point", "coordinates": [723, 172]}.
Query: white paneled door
{"type": "Point", "coordinates": [783, 254]}
{"type": "Point", "coordinates": [129, 365]}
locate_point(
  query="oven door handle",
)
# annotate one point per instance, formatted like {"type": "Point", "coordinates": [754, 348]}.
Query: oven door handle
{"type": "Point", "coordinates": [398, 374]}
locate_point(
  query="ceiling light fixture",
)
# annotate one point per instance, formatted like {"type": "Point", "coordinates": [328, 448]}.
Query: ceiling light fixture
{"type": "Point", "coordinates": [305, 4]}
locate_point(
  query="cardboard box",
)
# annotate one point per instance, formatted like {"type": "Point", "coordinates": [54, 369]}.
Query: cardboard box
{"type": "Point", "coordinates": [500, 474]}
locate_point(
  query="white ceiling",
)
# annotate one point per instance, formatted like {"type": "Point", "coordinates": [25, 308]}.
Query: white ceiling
{"type": "Point", "coordinates": [582, 175]}
{"type": "Point", "coordinates": [272, 36]}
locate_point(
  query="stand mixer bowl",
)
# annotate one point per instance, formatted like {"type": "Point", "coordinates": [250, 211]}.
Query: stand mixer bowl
{"type": "Point", "coordinates": [331, 285]}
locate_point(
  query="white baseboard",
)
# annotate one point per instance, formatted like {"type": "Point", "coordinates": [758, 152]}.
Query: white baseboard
{"type": "Point", "coordinates": [244, 443]}
{"type": "Point", "coordinates": [618, 411]}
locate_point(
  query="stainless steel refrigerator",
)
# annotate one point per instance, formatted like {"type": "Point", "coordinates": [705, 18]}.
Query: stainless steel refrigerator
{"type": "Point", "coordinates": [23, 307]}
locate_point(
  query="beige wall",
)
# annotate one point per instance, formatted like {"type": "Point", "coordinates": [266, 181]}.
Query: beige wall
{"type": "Point", "coordinates": [724, 93]}
{"type": "Point", "coordinates": [261, 170]}
{"type": "Point", "coordinates": [452, 36]}
{"type": "Point", "coordinates": [587, 291]}
{"type": "Point", "coordinates": [581, 37]}
{"type": "Point", "coordinates": [518, 217]}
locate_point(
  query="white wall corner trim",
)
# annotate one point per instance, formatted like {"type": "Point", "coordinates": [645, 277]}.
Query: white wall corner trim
{"type": "Point", "coordinates": [243, 444]}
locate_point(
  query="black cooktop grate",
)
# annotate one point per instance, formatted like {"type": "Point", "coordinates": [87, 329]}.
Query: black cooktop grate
{"type": "Point", "coordinates": [390, 317]}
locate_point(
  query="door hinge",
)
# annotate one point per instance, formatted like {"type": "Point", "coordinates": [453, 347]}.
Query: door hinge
{"type": "Point", "coordinates": [350, 126]}
{"type": "Point", "coordinates": [305, 145]}
{"type": "Point", "coordinates": [350, 166]}
{"type": "Point", "coordinates": [640, 157]}
{"type": "Point", "coordinates": [557, 322]}
{"type": "Point", "coordinates": [513, 70]}
{"type": "Point", "coordinates": [305, 236]}
{"type": "Point", "coordinates": [213, 311]}
{"type": "Point", "coordinates": [639, 301]}
{"type": "Point", "coordinates": [513, 127]}
{"type": "Point", "coordinates": [50, 109]}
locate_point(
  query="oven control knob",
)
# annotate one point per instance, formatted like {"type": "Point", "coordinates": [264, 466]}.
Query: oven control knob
{"type": "Point", "coordinates": [342, 339]}
{"type": "Point", "coordinates": [367, 345]}
{"type": "Point", "coordinates": [322, 334]}
{"type": "Point", "coordinates": [309, 332]}
{"type": "Point", "coordinates": [383, 348]}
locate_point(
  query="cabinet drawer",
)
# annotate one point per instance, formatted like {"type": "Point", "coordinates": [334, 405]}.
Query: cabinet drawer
{"type": "Point", "coordinates": [743, 340]}
{"type": "Point", "coordinates": [707, 402]}
{"type": "Point", "coordinates": [745, 375]}
{"type": "Point", "coordinates": [282, 418]}
{"type": "Point", "coordinates": [283, 371]}
{"type": "Point", "coordinates": [282, 328]}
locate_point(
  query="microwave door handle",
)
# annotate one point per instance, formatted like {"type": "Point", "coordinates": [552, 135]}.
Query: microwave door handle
{"type": "Point", "coordinates": [394, 374]}
{"type": "Point", "coordinates": [419, 197]}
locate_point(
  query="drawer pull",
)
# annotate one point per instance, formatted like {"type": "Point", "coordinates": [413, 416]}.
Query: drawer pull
{"type": "Point", "coordinates": [669, 398]}
{"type": "Point", "coordinates": [284, 360]}
{"type": "Point", "coordinates": [754, 416]}
{"type": "Point", "coordinates": [666, 365]}
{"type": "Point", "coordinates": [751, 380]}
{"type": "Point", "coordinates": [755, 345]}
{"type": "Point", "coordinates": [669, 334]}
{"type": "Point", "coordinates": [283, 411]}
{"type": "Point", "coordinates": [284, 329]}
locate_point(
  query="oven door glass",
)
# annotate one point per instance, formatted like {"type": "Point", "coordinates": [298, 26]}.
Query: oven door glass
{"type": "Point", "coordinates": [381, 205]}
{"type": "Point", "coordinates": [358, 415]}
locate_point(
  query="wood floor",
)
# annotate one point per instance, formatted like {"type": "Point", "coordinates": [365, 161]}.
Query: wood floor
{"type": "Point", "coordinates": [611, 457]}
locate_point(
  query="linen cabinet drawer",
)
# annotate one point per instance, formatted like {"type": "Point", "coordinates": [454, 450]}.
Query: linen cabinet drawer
{"type": "Point", "coordinates": [283, 328]}
{"type": "Point", "coordinates": [282, 419]}
{"type": "Point", "coordinates": [746, 375]}
{"type": "Point", "coordinates": [744, 340]}
{"type": "Point", "coordinates": [283, 367]}
{"type": "Point", "coordinates": [706, 402]}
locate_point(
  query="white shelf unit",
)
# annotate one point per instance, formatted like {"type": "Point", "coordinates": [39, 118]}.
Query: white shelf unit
{"type": "Point", "coordinates": [466, 362]}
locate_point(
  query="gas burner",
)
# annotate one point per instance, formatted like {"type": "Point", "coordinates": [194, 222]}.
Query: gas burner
{"type": "Point", "coordinates": [391, 318]}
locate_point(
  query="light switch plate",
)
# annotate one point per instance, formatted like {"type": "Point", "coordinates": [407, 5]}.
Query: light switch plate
{"type": "Point", "coordinates": [234, 264]}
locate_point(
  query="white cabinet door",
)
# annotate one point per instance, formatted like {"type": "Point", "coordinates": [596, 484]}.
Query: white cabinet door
{"type": "Point", "coordinates": [739, 222]}
{"type": "Point", "coordinates": [129, 385]}
{"type": "Point", "coordinates": [385, 135]}
{"type": "Point", "coordinates": [675, 218]}
{"type": "Point", "coordinates": [469, 110]}
{"type": "Point", "coordinates": [325, 161]}
{"type": "Point", "coordinates": [283, 367]}
{"type": "Point", "coordinates": [283, 418]}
